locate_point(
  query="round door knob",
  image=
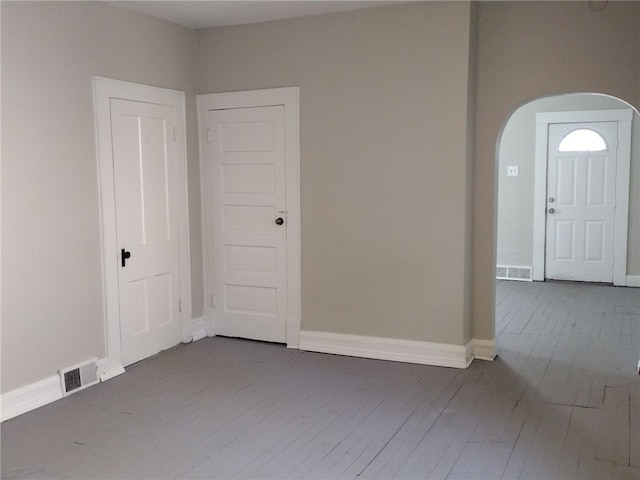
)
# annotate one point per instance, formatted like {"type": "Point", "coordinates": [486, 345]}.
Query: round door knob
{"type": "Point", "coordinates": [552, 210]}
{"type": "Point", "coordinates": [279, 221]}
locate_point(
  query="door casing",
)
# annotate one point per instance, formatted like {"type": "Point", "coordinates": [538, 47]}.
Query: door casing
{"type": "Point", "coordinates": [104, 90]}
{"type": "Point", "coordinates": [288, 97]}
{"type": "Point", "coordinates": [621, 218]}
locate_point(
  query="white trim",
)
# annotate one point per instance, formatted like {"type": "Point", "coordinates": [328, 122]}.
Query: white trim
{"type": "Point", "coordinates": [633, 281]}
{"type": "Point", "coordinates": [468, 353]}
{"type": "Point", "coordinates": [30, 397]}
{"type": "Point", "coordinates": [394, 349]}
{"type": "Point", "coordinates": [198, 330]}
{"type": "Point", "coordinates": [43, 392]}
{"type": "Point", "coordinates": [543, 120]}
{"type": "Point", "coordinates": [104, 90]}
{"type": "Point", "coordinates": [484, 349]}
{"type": "Point", "coordinates": [289, 97]}
{"type": "Point", "coordinates": [108, 370]}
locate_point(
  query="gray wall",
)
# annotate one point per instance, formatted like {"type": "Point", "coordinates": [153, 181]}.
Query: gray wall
{"type": "Point", "coordinates": [52, 305]}
{"type": "Point", "coordinates": [385, 104]}
{"type": "Point", "coordinates": [529, 50]}
{"type": "Point", "coordinates": [515, 194]}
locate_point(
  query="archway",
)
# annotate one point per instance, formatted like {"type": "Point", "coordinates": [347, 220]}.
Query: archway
{"type": "Point", "coordinates": [516, 197]}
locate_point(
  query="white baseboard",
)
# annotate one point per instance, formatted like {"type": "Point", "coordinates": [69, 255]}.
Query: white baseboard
{"type": "Point", "coordinates": [398, 350]}
{"type": "Point", "coordinates": [30, 397]}
{"type": "Point", "coordinates": [484, 349]}
{"type": "Point", "coordinates": [38, 394]}
{"type": "Point", "coordinates": [198, 329]}
{"type": "Point", "coordinates": [633, 281]}
{"type": "Point", "coordinates": [106, 372]}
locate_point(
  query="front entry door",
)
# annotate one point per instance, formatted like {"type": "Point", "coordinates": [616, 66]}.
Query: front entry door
{"type": "Point", "coordinates": [581, 183]}
{"type": "Point", "coordinates": [145, 166]}
{"type": "Point", "coordinates": [249, 222]}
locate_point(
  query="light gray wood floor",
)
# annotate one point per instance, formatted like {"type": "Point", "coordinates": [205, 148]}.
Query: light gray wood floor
{"type": "Point", "coordinates": [562, 400]}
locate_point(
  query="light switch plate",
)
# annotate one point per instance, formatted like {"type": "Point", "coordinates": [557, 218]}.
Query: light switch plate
{"type": "Point", "coordinates": [512, 171]}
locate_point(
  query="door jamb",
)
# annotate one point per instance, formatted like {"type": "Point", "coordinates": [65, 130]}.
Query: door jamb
{"type": "Point", "coordinates": [104, 90]}
{"type": "Point", "coordinates": [623, 164]}
{"type": "Point", "coordinates": [289, 98]}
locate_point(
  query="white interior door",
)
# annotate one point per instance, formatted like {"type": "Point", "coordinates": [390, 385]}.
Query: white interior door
{"type": "Point", "coordinates": [144, 163]}
{"type": "Point", "coordinates": [249, 222]}
{"type": "Point", "coordinates": [581, 194]}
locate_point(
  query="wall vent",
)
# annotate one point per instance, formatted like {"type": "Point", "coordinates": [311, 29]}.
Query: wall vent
{"type": "Point", "coordinates": [507, 272]}
{"type": "Point", "coordinates": [78, 377]}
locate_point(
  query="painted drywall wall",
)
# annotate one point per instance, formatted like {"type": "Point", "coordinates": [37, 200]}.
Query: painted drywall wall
{"type": "Point", "coordinates": [470, 143]}
{"type": "Point", "coordinates": [384, 164]}
{"type": "Point", "coordinates": [528, 50]}
{"type": "Point", "coordinates": [515, 194]}
{"type": "Point", "coordinates": [52, 308]}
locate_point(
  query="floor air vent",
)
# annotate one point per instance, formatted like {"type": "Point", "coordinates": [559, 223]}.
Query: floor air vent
{"type": "Point", "coordinates": [505, 272]}
{"type": "Point", "coordinates": [78, 377]}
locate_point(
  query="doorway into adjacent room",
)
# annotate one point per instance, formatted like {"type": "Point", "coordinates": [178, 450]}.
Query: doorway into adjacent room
{"type": "Point", "coordinates": [563, 204]}
{"type": "Point", "coordinates": [568, 227]}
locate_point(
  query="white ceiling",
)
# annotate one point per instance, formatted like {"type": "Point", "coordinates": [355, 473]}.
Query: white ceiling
{"type": "Point", "coordinates": [217, 13]}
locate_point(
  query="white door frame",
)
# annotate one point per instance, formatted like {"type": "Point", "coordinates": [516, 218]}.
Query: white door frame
{"type": "Point", "coordinates": [104, 90]}
{"type": "Point", "coordinates": [289, 98]}
{"type": "Point", "coordinates": [621, 216]}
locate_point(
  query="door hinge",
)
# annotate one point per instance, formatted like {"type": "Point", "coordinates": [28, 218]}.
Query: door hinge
{"type": "Point", "coordinates": [180, 305]}
{"type": "Point", "coordinates": [175, 138]}
{"type": "Point", "coordinates": [208, 135]}
{"type": "Point", "coordinates": [213, 301]}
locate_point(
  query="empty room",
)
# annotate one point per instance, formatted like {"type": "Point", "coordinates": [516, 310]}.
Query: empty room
{"type": "Point", "coordinates": [199, 281]}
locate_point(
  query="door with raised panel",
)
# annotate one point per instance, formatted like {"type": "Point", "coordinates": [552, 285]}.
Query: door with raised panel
{"type": "Point", "coordinates": [144, 164]}
{"type": "Point", "coordinates": [249, 222]}
{"type": "Point", "coordinates": [581, 182]}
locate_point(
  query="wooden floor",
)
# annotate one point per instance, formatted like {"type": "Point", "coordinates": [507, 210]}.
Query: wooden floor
{"type": "Point", "coordinates": [561, 401]}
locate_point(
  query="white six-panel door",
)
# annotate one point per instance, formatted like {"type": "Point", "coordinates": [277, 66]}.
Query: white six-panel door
{"type": "Point", "coordinates": [144, 163]}
{"type": "Point", "coordinates": [247, 148]}
{"type": "Point", "coordinates": [581, 193]}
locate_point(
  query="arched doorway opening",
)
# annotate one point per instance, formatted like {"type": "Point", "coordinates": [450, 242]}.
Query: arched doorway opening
{"type": "Point", "coordinates": [523, 204]}
{"type": "Point", "coordinates": [522, 197]}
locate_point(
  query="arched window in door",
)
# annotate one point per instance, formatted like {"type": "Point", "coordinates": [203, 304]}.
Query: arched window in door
{"type": "Point", "coordinates": [583, 140]}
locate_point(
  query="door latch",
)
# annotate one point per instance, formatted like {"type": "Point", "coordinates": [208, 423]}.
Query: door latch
{"type": "Point", "coordinates": [123, 256]}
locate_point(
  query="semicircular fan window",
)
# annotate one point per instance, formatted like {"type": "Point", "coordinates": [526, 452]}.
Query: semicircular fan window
{"type": "Point", "coordinates": [583, 140]}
